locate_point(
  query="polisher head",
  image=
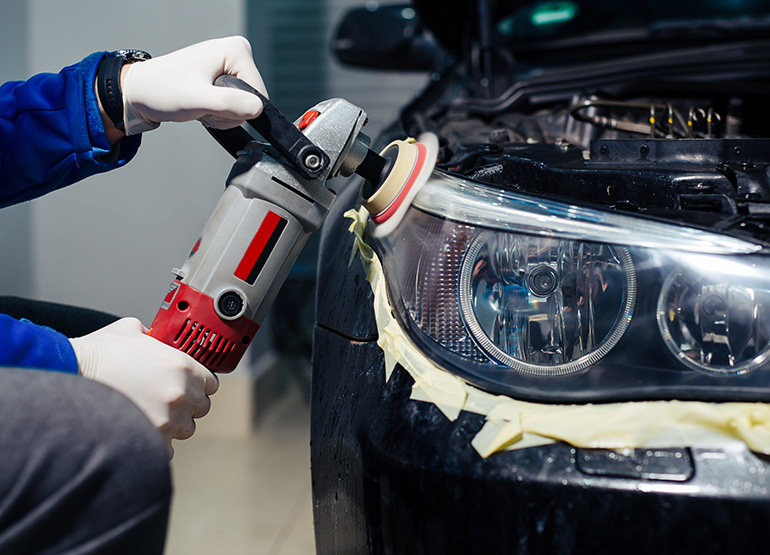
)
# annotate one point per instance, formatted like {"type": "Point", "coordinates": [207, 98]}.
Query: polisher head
{"type": "Point", "coordinates": [408, 165]}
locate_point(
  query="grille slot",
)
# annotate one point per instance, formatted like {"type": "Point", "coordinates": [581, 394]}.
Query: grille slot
{"type": "Point", "coordinates": [202, 344]}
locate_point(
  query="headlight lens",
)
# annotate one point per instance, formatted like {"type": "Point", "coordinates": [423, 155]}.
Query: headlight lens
{"type": "Point", "coordinates": [545, 306]}
{"type": "Point", "coordinates": [714, 323]}
{"type": "Point", "coordinates": [542, 300]}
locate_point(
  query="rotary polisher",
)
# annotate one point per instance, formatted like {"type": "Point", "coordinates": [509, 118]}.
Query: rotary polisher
{"type": "Point", "coordinates": [275, 198]}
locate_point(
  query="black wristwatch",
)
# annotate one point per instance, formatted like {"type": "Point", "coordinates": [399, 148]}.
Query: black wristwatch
{"type": "Point", "coordinates": [108, 87]}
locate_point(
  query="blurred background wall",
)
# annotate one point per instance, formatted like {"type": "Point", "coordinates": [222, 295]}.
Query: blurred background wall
{"type": "Point", "coordinates": [110, 241]}
{"type": "Point", "coordinates": [15, 226]}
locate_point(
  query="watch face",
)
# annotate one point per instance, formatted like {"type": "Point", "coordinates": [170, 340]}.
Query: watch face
{"type": "Point", "coordinates": [133, 55]}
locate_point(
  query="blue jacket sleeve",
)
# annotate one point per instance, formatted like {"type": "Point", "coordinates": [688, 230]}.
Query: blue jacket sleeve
{"type": "Point", "coordinates": [51, 133]}
{"type": "Point", "coordinates": [26, 345]}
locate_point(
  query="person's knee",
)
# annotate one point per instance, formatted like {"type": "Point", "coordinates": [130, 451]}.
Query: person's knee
{"type": "Point", "coordinates": [124, 444]}
{"type": "Point", "coordinates": [82, 462]}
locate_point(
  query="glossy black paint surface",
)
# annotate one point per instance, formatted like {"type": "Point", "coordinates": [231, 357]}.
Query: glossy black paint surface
{"type": "Point", "coordinates": [342, 286]}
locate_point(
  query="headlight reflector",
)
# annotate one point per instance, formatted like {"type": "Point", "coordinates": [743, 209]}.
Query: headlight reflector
{"type": "Point", "coordinates": [546, 306]}
{"type": "Point", "coordinates": [715, 324]}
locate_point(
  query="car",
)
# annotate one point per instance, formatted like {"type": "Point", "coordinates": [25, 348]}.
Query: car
{"type": "Point", "coordinates": [589, 259]}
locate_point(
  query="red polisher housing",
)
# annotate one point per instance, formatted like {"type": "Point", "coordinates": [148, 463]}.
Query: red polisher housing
{"type": "Point", "coordinates": [188, 321]}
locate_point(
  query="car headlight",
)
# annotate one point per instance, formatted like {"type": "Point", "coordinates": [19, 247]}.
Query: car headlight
{"type": "Point", "coordinates": [715, 321]}
{"type": "Point", "coordinates": [545, 306]}
{"type": "Point", "coordinates": [549, 301]}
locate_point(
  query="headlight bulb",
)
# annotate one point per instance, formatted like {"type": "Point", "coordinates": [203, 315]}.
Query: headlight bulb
{"type": "Point", "coordinates": [542, 280]}
{"type": "Point", "coordinates": [546, 306]}
{"type": "Point", "coordinates": [715, 326]}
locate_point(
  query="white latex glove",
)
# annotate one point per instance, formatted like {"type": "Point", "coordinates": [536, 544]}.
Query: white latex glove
{"type": "Point", "coordinates": [179, 86]}
{"type": "Point", "coordinates": [170, 387]}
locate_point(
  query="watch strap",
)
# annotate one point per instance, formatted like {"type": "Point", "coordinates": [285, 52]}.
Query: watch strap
{"type": "Point", "coordinates": [108, 88]}
{"type": "Point", "coordinates": [124, 117]}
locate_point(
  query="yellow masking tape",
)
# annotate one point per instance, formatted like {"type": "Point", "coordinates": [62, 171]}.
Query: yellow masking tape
{"type": "Point", "coordinates": [513, 424]}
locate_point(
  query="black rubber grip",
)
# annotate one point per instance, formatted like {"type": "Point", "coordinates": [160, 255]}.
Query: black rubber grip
{"type": "Point", "coordinates": [308, 159]}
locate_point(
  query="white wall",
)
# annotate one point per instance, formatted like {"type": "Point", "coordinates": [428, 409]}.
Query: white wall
{"type": "Point", "coordinates": [15, 259]}
{"type": "Point", "coordinates": [110, 241]}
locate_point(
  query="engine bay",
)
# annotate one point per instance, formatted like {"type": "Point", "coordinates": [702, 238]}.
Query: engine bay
{"type": "Point", "coordinates": [669, 153]}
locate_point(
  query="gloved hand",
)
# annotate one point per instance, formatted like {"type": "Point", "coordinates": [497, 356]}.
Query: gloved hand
{"type": "Point", "coordinates": [179, 86]}
{"type": "Point", "coordinates": [170, 387]}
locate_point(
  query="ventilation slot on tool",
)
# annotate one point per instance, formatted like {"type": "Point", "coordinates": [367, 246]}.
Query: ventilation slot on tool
{"type": "Point", "coordinates": [202, 344]}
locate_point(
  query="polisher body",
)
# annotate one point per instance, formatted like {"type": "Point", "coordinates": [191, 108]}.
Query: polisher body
{"type": "Point", "coordinates": [221, 294]}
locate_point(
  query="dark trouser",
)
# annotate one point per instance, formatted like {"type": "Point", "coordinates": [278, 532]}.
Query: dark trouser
{"type": "Point", "coordinates": [82, 470]}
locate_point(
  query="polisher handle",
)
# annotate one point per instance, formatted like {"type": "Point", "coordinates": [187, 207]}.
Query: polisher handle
{"type": "Point", "coordinates": [308, 159]}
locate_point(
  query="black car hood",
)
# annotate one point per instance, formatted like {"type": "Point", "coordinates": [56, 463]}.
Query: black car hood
{"type": "Point", "coordinates": [448, 20]}
{"type": "Point", "coordinates": [524, 25]}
